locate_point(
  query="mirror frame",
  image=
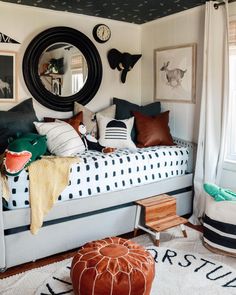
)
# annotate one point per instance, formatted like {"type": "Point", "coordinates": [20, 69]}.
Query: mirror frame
{"type": "Point", "coordinates": [31, 61]}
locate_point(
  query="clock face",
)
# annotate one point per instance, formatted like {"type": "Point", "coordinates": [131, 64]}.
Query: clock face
{"type": "Point", "coordinates": [102, 33]}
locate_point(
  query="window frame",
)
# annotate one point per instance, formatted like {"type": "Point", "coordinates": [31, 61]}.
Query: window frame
{"type": "Point", "coordinates": [230, 154]}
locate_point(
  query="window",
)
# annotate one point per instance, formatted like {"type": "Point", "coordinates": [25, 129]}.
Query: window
{"type": "Point", "coordinates": [77, 71]}
{"type": "Point", "coordinates": [231, 144]}
{"type": "Point", "coordinates": [77, 81]}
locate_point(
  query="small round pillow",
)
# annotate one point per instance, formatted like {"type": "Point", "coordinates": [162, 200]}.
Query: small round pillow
{"type": "Point", "coordinates": [113, 266]}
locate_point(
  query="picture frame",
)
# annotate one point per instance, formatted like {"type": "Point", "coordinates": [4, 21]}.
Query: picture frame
{"type": "Point", "coordinates": [56, 86]}
{"type": "Point", "coordinates": [8, 76]}
{"type": "Point", "coordinates": [175, 73]}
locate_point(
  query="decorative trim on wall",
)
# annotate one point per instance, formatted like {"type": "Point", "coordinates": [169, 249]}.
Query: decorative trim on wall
{"type": "Point", "coordinates": [6, 39]}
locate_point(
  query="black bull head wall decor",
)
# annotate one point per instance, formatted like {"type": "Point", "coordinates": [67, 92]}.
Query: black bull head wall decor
{"type": "Point", "coordinates": [122, 61]}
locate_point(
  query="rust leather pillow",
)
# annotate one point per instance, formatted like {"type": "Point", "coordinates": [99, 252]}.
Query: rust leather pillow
{"type": "Point", "coordinates": [74, 121]}
{"type": "Point", "coordinates": [153, 130]}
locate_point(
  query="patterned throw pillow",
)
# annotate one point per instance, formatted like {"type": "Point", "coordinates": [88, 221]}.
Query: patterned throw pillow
{"type": "Point", "coordinates": [75, 121]}
{"type": "Point", "coordinates": [62, 139]}
{"type": "Point", "coordinates": [89, 117]}
{"type": "Point", "coordinates": [115, 133]}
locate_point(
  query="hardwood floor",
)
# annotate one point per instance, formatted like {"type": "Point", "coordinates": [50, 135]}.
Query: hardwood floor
{"type": "Point", "coordinates": [61, 256]}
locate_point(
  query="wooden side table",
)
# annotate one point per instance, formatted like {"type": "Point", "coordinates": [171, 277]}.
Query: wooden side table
{"type": "Point", "coordinates": [159, 215]}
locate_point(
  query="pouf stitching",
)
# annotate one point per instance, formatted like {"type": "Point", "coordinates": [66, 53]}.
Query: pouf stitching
{"type": "Point", "coordinates": [132, 252]}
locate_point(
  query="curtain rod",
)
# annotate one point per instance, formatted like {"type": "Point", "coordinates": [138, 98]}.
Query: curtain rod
{"type": "Point", "coordinates": [216, 5]}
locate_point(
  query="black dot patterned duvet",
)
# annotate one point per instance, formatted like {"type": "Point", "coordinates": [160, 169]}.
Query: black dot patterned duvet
{"type": "Point", "coordinates": [98, 173]}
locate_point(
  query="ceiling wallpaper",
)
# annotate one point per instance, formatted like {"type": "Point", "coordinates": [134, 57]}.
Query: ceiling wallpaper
{"type": "Point", "coordinates": [133, 11]}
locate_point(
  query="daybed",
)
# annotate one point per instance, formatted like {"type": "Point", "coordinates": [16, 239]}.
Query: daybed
{"type": "Point", "coordinates": [72, 223]}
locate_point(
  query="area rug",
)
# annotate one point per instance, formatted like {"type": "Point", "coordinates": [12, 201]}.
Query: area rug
{"type": "Point", "coordinates": [183, 266]}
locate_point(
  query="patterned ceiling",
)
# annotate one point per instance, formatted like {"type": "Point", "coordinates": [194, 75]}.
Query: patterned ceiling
{"type": "Point", "coordinates": [133, 11]}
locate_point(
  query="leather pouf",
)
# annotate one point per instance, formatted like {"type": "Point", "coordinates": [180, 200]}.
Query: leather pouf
{"type": "Point", "coordinates": [113, 266]}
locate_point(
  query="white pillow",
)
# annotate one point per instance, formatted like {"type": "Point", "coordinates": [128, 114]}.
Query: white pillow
{"type": "Point", "coordinates": [115, 133]}
{"type": "Point", "coordinates": [62, 139]}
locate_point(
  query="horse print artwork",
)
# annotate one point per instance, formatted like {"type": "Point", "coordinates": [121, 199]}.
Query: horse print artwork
{"type": "Point", "coordinates": [7, 76]}
{"type": "Point", "coordinates": [5, 89]}
{"type": "Point", "coordinates": [173, 76]}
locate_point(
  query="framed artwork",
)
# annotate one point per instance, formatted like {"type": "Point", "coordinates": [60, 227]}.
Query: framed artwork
{"type": "Point", "coordinates": [175, 73]}
{"type": "Point", "coordinates": [56, 86]}
{"type": "Point", "coordinates": [8, 77]}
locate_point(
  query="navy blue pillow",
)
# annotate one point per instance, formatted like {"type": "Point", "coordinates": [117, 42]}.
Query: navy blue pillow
{"type": "Point", "coordinates": [18, 119]}
{"type": "Point", "coordinates": [125, 109]}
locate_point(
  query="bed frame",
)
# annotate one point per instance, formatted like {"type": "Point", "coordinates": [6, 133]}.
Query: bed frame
{"type": "Point", "coordinates": [72, 223]}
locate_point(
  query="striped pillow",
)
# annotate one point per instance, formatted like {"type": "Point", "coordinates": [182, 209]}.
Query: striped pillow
{"type": "Point", "coordinates": [115, 133]}
{"type": "Point", "coordinates": [62, 139]}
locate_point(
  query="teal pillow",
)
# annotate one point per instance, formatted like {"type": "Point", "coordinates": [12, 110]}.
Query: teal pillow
{"type": "Point", "coordinates": [125, 109]}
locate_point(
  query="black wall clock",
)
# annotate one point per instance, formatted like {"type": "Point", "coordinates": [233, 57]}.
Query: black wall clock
{"type": "Point", "coordinates": [101, 33]}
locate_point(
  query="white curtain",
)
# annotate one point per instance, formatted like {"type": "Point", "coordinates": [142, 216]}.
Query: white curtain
{"type": "Point", "coordinates": [214, 105]}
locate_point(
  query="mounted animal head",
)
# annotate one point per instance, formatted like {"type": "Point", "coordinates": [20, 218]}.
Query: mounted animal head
{"type": "Point", "coordinates": [123, 62]}
{"type": "Point", "coordinates": [23, 151]}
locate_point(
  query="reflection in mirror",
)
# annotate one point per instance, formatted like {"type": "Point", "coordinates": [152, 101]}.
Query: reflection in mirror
{"type": "Point", "coordinates": [60, 66]}
{"type": "Point", "coordinates": [62, 69]}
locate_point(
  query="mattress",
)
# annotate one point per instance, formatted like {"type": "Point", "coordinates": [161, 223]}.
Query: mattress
{"type": "Point", "coordinates": [99, 173]}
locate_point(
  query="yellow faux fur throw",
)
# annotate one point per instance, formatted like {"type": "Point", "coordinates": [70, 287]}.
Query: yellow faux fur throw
{"type": "Point", "coordinates": [48, 177]}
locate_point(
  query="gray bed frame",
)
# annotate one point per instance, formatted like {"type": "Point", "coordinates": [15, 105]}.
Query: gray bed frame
{"type": "Point", "coordinates": [72, 223]}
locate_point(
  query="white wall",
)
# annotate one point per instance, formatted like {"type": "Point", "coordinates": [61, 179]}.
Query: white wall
{"type": "Point", "coordinates": [23, 23]}
{"type": "Point", "coordinates": [181, 28]}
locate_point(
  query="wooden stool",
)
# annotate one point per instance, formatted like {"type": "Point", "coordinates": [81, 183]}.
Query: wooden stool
{"type": "Point", "coordinates": [160, 214]}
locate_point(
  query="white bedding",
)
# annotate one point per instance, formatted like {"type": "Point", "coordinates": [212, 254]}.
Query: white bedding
{"type": "Point", "coordinates": [98, 173]}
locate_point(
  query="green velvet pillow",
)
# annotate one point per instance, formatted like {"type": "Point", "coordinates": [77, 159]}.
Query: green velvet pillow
{"type": "Point", "coordinates": [125, 109]}
{"type": "Point", "coordinates": [19, 119]}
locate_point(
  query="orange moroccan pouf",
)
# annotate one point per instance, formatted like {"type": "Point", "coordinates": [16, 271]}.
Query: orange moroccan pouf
{"type": "Point", "coordinates": [113, 266]}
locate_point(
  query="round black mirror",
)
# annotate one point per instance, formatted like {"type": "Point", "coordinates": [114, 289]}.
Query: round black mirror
{"type": "Point", "coordinates": [60, 66]}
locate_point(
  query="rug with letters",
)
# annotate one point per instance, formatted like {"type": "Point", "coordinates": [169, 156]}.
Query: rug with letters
{"type": "Point", "coordinates": [183, 266]}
